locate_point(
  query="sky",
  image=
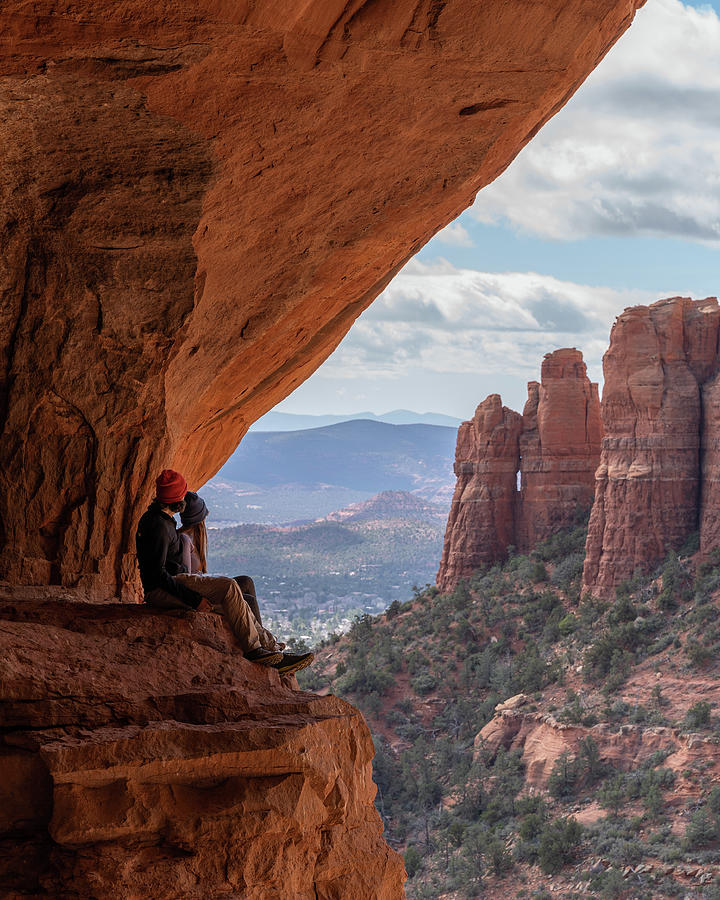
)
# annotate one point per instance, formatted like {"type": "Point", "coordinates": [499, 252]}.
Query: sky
{"type": "Point", "coordinates": [616, 202]}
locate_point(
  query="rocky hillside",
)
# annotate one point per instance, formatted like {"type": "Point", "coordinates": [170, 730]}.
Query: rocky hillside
{"type": "Point", "coordinates": [391, 505]}
{"type": "Point", "coordinates": [533, 743]}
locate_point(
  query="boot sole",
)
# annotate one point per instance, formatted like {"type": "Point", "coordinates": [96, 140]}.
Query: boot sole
{"type": "Point", "coordinates": [271, 660]}
{"type": "Point", "coordinates": [295, 667]}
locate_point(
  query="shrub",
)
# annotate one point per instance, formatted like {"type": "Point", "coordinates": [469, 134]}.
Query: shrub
{"type": "Point", "coordinates": [558, 843]}
{"type": "Point", "coordinates": [697, 654]}
{"type": "Point", "coordinates": [564, 777]}
{"type": "Point", "coordinates": [413, 861]}
{"type": "Point", "coordinates": [653, 802]}
{"type": "Point", "coordinates": [424, 683]}
{"type": "Point", "coordinates": [591, 761]}
{"type": "Point", "coordinates": [611, 795]}
{"type": "Point", "coordinates": [675, 583]}
{"type": "Point", "coordinates": [498, 856]}
{"type": "Point", "coordinates": [610, 884]}
{"type": "Point", "coordinates": [698, 715]}
{"type": "Point", "coordinates": [713, 801]}
{"type": "Point", "coordinates": [702, 829]}
{"type": "Point", "coordinates": [416, 662]}
{"type": "Point", "coordinates": [364, 681]}
{"type": "Point", "coordinates": [567, 625]}
{"type": "Point", "coordinates": [394, 609]}
{"type": "Point", "coordinates": [568, 570]}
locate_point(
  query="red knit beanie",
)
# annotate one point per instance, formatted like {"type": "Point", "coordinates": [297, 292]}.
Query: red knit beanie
{"type": "Point", "coordinates": [170, 487]}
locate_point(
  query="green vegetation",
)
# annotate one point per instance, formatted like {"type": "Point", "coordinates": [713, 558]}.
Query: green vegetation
{"type": "Point", "coordinates": [314, 579]}
{"type": "Point", "coordinates": [430, 673]}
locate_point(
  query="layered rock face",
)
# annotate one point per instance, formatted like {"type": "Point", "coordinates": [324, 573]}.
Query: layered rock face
{"type": "Point", "coordinates": [481, 523]}
{"type": "Point", "coordinates": [554, 447]}
{"type": "Point", "coordinates": [142, 756]}
{"type": "Point", "coordinates": [559, 448]}
{"type": "Point", "coordinates": [542, 740]}
{"type": "Point", "coordinates": [197, 201]}
{"type": "Point", "coordinates": [660, 407]}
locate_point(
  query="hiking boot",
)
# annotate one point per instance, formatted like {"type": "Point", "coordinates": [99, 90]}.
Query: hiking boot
{"type": "Point", "coordinates": [293, 662]}
{"type": "Point", "coordinates": [264, 657]}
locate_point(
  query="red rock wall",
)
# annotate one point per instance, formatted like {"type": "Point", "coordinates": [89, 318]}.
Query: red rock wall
{"type": "Point", "coordinates": [481, 524]}
{"type": "Point", "coordinates": [143, 757]}
{"type": "Point", "coordinates": [559, 448]}
{"type": "Point", "coordinates": [648, 491]}
{"type": "Point", "coordinates": [197, 201]}
{"type": "Point", "coordinates": [710, 466]}
{"type": "Point", "coordinates": [541, 740]}
{"type": "Point", "coordinates": [554, 445]}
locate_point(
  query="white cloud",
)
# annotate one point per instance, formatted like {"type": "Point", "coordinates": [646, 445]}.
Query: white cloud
{"type": "Point", "coordinates": [455, 234]}
{"type": "Point", "coordinates": [637, 150]}
{"type": "Point", "coordinates": [443, 319]}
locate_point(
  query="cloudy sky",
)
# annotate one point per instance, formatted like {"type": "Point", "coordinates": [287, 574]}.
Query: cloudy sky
{"type": "Point", "coordinates": [616, 202]}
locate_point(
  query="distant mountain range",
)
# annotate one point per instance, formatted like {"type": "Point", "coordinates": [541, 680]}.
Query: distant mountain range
{"type": "Point", "coordinates": [284, 476]}
{"type": "Point", "coordinates": [278, 421]}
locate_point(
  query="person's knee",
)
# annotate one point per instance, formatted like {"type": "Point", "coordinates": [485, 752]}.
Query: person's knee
{"type": "Point", "coordinates": [246, 584]}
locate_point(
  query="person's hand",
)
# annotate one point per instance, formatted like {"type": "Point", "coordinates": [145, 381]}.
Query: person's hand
{"type": "Point", "coordinates": [205, 605]}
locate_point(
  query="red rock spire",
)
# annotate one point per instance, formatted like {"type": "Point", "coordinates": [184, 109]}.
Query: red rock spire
{"type": "Point", "coordinates": [555, 445]}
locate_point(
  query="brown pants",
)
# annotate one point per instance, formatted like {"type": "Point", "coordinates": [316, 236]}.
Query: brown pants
{"type": "Point", "coordinates": [226, 598]}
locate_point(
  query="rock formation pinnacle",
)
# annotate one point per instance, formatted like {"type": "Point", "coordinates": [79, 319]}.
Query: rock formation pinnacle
{"type": "Point", "coordinates": [653, 488]}
{"type": "Point", "coordinates": [555, 448]}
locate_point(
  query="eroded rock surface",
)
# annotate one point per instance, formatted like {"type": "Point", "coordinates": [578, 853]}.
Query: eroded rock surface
{"type": "Point", "coordinates": [197, 201]}
{"type": "Point", "coordinates": [142, 756]}
{"type": "Point", "coordinates": [559, 448]}
{"type": "Point", "coordinates": [481, 523]}
{"type": "Point", "coordinates": [542, 740]}
{"type": "Point", "coordinates": [659, 375]}
{"type": "Point", "coordinates": [554, 447]}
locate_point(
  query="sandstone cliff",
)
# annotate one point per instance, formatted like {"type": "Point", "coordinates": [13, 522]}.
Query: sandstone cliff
{"type": "Point", "coordinates": [659, 372]}
{"type": "Point", "coordinates": [197, 201]}
{"type": "Point", "coordinates": [481, 522]}
{"type": "Point", "coordinates": [554, 447]}
{"type": "Point", "coordinates": [559, 448]}
{"type": "Point", "coordinates": [143, 757]}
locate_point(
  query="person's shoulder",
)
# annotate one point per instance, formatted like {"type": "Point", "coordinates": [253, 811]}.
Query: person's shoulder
{"type": "Point", "coordinates": [151, 515]}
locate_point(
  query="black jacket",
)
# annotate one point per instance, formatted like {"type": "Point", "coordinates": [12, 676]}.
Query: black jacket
{"type": "Point", "coordinates": [159, 553]}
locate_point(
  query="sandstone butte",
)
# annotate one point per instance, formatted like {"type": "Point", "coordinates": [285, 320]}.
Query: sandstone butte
{"type": "Point", "coordinates": [554, 447]}
{"type": "Point", "coordinates": [659, 472]}
{"type": "Point", "coordinates": [197, 201]}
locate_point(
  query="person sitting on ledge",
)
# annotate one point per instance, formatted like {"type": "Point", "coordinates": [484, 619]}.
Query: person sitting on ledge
{"type": "Point", "coordinates": [168, 585]}
{"type": "Point", "coordinates": [193, 534]}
